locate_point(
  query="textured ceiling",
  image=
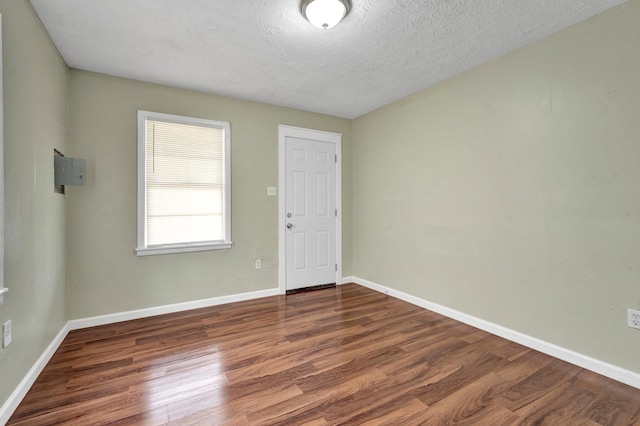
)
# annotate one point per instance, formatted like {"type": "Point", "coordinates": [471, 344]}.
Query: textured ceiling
{"type": "Point", "coordinates": [266, 51]}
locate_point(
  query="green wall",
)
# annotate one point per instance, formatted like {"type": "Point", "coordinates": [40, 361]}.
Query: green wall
{"type": "Point", "coordinates": [512, 192]}
{"type": "Point", "coordinates": [35, 122]}
{"type": "Point", "coordinates": [103, 273]}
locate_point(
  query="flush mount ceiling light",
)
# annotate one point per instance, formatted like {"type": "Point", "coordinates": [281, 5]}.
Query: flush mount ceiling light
{"type": "Point", "coordinates": [325, 13]}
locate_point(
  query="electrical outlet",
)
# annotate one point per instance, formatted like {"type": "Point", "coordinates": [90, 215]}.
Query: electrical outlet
{"type": "Point", "coordinates": [633, 318]}
{"type": "Point", "coordinates": [6, 334]}
{"type": "Point", "coordinates": [258, 263]}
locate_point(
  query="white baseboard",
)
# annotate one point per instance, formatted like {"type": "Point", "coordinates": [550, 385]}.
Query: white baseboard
{"type": "Point", "coordinates": [169, 309]}
{"type": "Point", "coordinates": [23, 387]}
{"type": "Point", "coordinates": [614, 372]}
{"type": "Point", "coordinates": [347, 280]}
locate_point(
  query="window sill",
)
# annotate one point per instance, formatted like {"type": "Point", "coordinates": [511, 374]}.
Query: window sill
{"type": "Point", "coordinates": [186, 248]}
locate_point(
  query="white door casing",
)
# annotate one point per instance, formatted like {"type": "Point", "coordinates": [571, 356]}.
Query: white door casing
{"type": "Point", "coordinates": [310, 216]}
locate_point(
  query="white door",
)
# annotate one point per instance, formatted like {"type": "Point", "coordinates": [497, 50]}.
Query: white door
{"type": "Point", "coordinates": [310, 212]}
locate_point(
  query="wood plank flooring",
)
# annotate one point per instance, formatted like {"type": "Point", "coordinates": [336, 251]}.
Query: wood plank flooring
{"type": "Point", "coordinates": [344, 355]}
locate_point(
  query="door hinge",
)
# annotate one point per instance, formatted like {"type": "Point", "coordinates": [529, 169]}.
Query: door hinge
{"type": "Point", "coordinates": [336, 158]}
{"type": "Point", "coordinates": [336, 212]}
{"type": "Point", "coordinates": [336, 267]}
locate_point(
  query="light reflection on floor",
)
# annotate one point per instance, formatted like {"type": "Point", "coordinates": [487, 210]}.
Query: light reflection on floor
{"type": "Point", "coordinates": [192, 381]}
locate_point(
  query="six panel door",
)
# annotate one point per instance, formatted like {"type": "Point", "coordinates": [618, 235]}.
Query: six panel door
{"type": "Point", "coordinates": [310, 191]}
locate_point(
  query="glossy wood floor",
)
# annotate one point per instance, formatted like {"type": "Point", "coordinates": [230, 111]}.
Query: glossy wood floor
{"type": "Point", "coordinates": [336, 356]}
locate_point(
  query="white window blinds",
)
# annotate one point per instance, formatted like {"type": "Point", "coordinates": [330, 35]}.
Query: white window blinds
{"type": "Point", "coordinates": [185, 184]}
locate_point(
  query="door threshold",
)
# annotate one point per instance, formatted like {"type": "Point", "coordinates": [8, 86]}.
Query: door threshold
{"type": "Point", "coordinates": [311, 288]}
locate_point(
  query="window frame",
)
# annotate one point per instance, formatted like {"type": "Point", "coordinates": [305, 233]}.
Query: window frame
{"type": "Point", "coordinates": [142, 248]}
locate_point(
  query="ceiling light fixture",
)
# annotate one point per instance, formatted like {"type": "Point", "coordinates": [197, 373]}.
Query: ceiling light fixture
{"type": "Point", "coordinates": [325, 13]}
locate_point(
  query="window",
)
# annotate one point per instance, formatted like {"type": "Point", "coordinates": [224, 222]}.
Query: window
{"type": "Point", "coordinates": [184, 184]}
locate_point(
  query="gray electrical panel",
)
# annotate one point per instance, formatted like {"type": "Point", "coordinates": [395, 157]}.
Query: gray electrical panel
{"type": "Point", "coordinates": [69, 171]}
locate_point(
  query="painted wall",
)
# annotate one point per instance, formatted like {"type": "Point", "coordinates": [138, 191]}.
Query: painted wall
{"type": "Point", "coordinates": [104, 274]}
{"type": "Point", "coordinates": [35, 122]}
{"type": "Point", "coordinates": [512, 192]}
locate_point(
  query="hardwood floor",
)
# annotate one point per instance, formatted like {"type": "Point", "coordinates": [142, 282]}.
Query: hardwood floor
{"type": "Point", "coordinates": [344, 355]}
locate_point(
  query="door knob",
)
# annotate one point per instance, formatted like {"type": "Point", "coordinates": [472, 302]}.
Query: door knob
{"type": "Point", "coordinates": [289, 225]}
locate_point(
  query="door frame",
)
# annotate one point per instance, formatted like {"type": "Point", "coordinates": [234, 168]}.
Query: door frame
{"type": "Point", "coordinates": [316, 135]}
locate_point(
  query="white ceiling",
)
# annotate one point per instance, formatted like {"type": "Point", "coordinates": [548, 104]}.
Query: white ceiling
{"type": "Point", "coordinates": [266, 51]}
